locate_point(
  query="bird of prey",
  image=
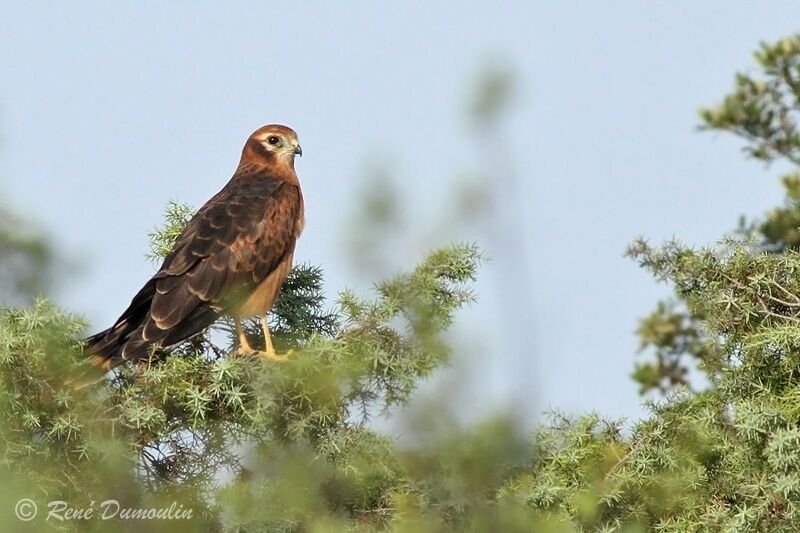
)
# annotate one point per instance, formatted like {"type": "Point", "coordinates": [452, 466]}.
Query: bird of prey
{"type": "Point", "coordinates": [231, 259]}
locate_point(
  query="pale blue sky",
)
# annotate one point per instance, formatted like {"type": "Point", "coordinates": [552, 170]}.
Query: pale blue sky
{"type": "Point", "coordinates": [109, 110]}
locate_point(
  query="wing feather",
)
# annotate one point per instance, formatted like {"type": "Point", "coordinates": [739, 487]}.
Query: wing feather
{"type": "Point", "coordinates": [233, 242]}
{"type": "Point", "coordinates": [234, 258]}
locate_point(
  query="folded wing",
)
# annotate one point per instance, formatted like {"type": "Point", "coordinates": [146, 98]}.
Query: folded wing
{"type": "Point", "coordinates": [233, 243]}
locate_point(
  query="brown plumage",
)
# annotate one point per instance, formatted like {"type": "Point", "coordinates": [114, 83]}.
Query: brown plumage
{"type": "Point", "coordinates": [231, 259]}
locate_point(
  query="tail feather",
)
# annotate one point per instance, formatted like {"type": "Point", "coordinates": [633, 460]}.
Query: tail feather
{"type": "Point", "coordinates": [133, 335]}
{"type": "Point", "coordinates": [112, 347]}
{"type": "Point", "coordinates": [106, 350]}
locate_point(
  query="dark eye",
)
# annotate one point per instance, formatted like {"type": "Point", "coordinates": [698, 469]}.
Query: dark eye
{"type": "Point", "coordinates": [273, 140]}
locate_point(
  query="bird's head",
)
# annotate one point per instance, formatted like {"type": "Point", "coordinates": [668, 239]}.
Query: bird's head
{"type": "Point", "coordinates": [273, 143]}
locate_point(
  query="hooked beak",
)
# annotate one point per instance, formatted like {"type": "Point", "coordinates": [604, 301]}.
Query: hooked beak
{"type": "Point", "coordinates": [298, 150]}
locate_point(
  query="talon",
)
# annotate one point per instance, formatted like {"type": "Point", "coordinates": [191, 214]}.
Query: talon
{"type": "Point", "coordinates": [244, 346]}
{"type": "Point", "coordinates": [245, 351]}
{"type": "Point", "coordinates": [268, 353]}
{"type": "Point", "coordinates": [272, 356]}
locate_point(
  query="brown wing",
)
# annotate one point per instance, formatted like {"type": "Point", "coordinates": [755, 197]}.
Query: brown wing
{"type": "Point", "coordinates": [233, 242]}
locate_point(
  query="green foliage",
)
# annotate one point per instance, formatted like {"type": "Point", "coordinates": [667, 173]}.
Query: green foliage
{"type": "Point", "coordinates": [673, 334]}
{"type": "Point", "coordinates": [193, 416]}
{"type": "Point", "coordinates": [252, 445]}
{"type": "Point", "coordinates": [176, 217]}
{"type": "Point", "coordinates": [732, 448]}
{"type": "Point", "coordinates": [764, 110]}
{"type": "Point", "coordinates": [779, 229]}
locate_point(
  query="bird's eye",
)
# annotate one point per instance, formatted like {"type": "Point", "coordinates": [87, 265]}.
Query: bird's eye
{"type": "Point", "coordinates": [273, 140]}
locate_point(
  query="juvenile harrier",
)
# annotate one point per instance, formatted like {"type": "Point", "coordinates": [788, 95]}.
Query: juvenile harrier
{"type": "Point", "coordinates": [231, 259]}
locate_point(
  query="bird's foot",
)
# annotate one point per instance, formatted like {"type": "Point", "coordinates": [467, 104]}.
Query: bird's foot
{"type": "Point", "coordinates": [245, 348]}
{"type": "Point", "coordinates": [272, 356]}
{"type": "Point", "coordinates": [247, 351]}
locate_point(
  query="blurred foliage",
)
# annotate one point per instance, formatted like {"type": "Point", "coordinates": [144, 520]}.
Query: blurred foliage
{"type": "Point", "coordinates": [251, 445]}
{"type": "Point", "coordinates": [493, 95]}
{"type": "Point", "coordinates": [25, 260]}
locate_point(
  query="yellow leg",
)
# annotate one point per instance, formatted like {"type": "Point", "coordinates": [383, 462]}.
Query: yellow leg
{"type": "Point", "coordinates": [244, 346]}
{"type": "Point", "coordinates": [269, 349]}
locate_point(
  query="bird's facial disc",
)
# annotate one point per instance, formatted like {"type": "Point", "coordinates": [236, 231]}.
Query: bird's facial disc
{"type": "Point", "coordinates": [281, 144]}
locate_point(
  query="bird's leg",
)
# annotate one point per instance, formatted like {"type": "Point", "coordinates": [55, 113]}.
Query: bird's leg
{"type": "Point", "coordinates": [244, 346]}
{"type": "Point", "coordinates": [269, 349]}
